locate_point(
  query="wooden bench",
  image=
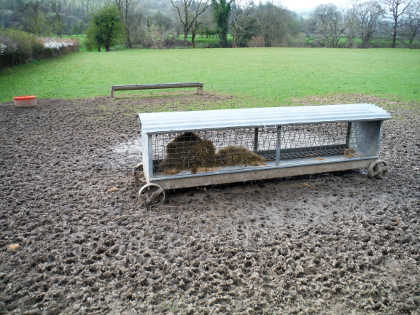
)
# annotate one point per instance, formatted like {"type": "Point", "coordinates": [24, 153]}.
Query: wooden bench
{"type": "Point", "coordinates": [128, 87]}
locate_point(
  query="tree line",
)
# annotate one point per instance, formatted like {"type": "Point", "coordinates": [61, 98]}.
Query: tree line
{"type": "Point", "coordinates": [167, 23]}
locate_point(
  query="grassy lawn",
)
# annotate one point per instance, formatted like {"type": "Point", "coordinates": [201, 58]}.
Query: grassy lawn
{"type": "Point", "coordinates": [264, 76]}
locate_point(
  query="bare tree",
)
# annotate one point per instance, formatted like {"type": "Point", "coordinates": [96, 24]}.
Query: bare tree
{"type": "Point", "coordinates": [188, 12]}
{"type": "Point", "coordinates": [367, 14]}
{"type": "Point", "coordinates": [56, 21]}
{"type": "Point", "coordinates": [329, 24]}
{"type": "Point", "coordinates": [351, 24]}
{"type": "Point", "coordinates": [243, 24]}
{"type": "Point", "coordinates": [412, 21]}
{"type": "Point", "coordinates": [397, 8]}
{"type": "Point", "coordinates": [87, 4]}
{"type": "Point", "coordinates": [275, 23]}
{"type": "Point", "coordinates": [125, 6]}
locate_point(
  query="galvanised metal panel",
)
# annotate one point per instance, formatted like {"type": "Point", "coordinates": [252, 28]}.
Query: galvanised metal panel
{"type": "Point", "coordinates": [258, 117]}
{"type": "Point", "coordinates": [270, 165]}
{"type": "Point", "coordinates": [258, 174]}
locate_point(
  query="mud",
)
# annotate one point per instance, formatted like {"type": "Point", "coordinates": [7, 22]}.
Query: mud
{"type": "Point", "coordinates": [75, 241]}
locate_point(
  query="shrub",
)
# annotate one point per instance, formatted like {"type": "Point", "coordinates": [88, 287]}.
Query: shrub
{"type": "Point", "coordinates": [173, 42]}
{"type": "Point", "coordinates": [18, 47]}
{"type": "Point", "coordinates": [381, 43]}
{"type": "Point", "coordinates": [106, 29]}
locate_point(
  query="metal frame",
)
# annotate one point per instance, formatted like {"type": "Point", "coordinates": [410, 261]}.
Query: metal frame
{"type": "Point", "coordinates": [225, 177]}
{"type": "Point", "coordinates": [367, 139]}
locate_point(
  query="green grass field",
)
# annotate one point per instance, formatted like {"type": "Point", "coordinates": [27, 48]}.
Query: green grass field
{"type": "Point", "coordinates": [268, 76]}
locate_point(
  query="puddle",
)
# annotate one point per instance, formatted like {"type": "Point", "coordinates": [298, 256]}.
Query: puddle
{"type": "Point", "coordinates": [129, 148]}
{"type": "Point", "coordinates": [126, 154]}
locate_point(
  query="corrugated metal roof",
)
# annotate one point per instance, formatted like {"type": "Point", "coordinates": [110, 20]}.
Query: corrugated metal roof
{"type": "Point", "coordinates": [253, 117]}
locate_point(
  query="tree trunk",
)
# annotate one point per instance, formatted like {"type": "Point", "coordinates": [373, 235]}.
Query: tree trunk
{"type": "Point", "coordinates": [394, 33]}
{"type": "Point", "coordinates": [223, 39]}
{"type": "Point", "coordinates": [127, 29]}
{"type": "Point", "coordinates": [350, 41]}
{"type": "Point", "coordinates": [234, 41]}
{"type": "Point", "coordinates": [186, 22]}
{"type": "Point", "coordinates": [412, 37]}
{"type": "Point", "coordinates": [365, 41]}
{"type": "Point", "coordinates": [127, 32]}
{"type": "Point", "coordinates": [193, 38]}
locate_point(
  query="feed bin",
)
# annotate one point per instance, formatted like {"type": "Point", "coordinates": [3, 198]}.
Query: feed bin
{"type": "Point", "coordinates": [199, 148]}
{"type": "Point", "coordinates": [25, 101]}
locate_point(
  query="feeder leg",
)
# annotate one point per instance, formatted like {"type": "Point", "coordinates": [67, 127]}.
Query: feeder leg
{"type": "Point", "coordinates": [377, 169]}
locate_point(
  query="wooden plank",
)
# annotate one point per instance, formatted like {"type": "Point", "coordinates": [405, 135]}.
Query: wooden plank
{"type": "Point", "coordinates": [130, 87]}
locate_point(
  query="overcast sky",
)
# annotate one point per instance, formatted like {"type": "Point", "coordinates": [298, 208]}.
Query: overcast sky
{"type": "Point", "coordinates": [307, 4]}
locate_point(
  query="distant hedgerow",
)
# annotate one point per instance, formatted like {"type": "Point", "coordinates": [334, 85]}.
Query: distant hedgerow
{"type": "Point", "coordinates": [18, 47]}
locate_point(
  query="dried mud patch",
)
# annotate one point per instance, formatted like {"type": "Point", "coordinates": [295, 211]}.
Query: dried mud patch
{"type": "Point", "coordinates": [331, 243]}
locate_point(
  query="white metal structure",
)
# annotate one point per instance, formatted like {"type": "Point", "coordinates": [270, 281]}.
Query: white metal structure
{"type": "Point", "coordinates": [291, 141]}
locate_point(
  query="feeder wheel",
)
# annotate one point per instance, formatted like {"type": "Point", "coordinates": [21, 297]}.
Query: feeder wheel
{"type": "Point", "coordinates": [377, 169]}
{"type": "Point", "coordinates": [152, 195]}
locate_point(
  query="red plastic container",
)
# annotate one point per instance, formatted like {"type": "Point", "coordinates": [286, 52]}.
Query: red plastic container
{"type": "Point", "coordinates": [25, 101]}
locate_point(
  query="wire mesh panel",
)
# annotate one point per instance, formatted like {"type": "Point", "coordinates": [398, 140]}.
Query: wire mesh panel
{"type": "Point", "coordinates": [311, 140]}
{"type": "Point", "coordinates": [212, 150]}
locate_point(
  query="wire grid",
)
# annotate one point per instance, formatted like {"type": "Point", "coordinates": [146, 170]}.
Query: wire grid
{"type": "Point", "coordinates": [183, 151]}
{"type": "Point", "coordinates": [311, 140]}
{"type": "Point", "coordinates": [203, 148]}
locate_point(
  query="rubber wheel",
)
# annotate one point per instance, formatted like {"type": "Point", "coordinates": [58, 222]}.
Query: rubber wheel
{"type": "Point", "coordinates": [377, 169]}
{"type": "Point", "coordinates": [151, 195]}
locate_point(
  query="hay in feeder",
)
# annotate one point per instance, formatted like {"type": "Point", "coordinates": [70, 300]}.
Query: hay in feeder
{"type": "Point", "coordinates": [188, 152]}
{"type": "Point", "coordinates": [236, 155]}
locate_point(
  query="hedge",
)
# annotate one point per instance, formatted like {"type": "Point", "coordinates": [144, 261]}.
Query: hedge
{"type": "Point", "coordinates": [18, 47]}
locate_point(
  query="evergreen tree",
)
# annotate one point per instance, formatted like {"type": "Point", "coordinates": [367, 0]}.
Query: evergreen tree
{"type": "Point", "coordinates": [106, 28]}
{"type": "Point", "coordinates": [221, 11]}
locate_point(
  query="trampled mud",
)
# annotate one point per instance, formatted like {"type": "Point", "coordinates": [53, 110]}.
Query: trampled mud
{"type": "Point", "coordinates": [330, 243]}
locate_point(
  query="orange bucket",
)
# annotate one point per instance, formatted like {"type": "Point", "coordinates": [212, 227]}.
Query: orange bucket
{"type": "Point", "coordinates": [25, 101]}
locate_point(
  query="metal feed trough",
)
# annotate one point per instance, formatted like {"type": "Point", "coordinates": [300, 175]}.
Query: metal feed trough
{"type": "Point", "coordinates": [199, 148]}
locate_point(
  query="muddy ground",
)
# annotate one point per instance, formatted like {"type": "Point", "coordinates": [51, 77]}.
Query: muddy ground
{"type": "Point", "coordinates": [74, 239]}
